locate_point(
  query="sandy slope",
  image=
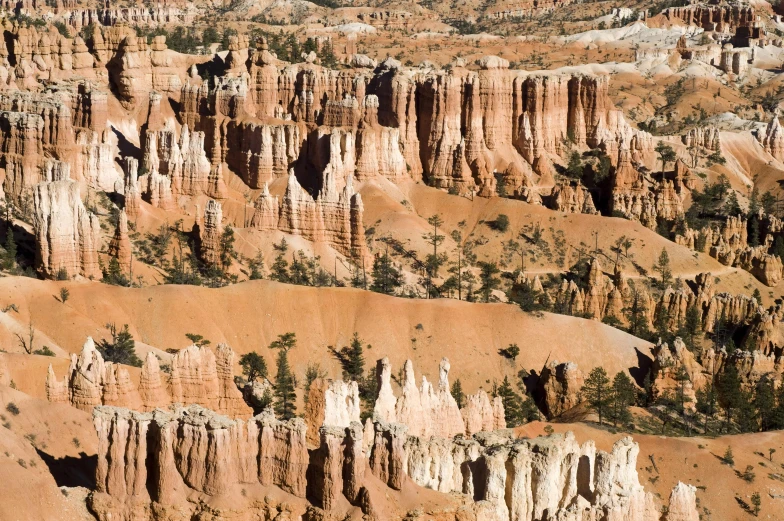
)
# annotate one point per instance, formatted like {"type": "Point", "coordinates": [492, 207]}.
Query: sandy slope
{"type": "Point", "coordinates": [44, 447]}
{"type": "Point", "coordinates": [250, 315]}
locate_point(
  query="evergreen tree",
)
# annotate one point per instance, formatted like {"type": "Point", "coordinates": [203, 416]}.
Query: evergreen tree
{"type": "Point", "coordinates": [529, 411]}
{"type": "Point", "coordinates": [754, 230]}
{"type": "Point", "coordinates": [728, 457]}
{"type": "Point", "coordinates": [666, 154]}
{"type": "Point", "coordinates": [596, 391]}
{"type": "Point", "coordinates": [279, 270]}
{"type": "Point", "coordinates": [9, 257]}
{"type": "Point", "coordinates": [706, 404]}
{"type": "Point", "coordinates": [512, 403]}
{"type": "Point", "coordinates": [368, 392]}
{"type": "Point", "coordinates": [488, 279]}
{"type": "Point", "coordinates": [434, 239]}
{"type": "Point", "coordinates": [285, 384]}
{"type": "Point", "coordinates": [729, 393]}
{"type": "Point", "coordinates": [122, 347]}
{"type": "Point", "coordinates": [458, 394]}
{"type": "Point", "coordinates": [227, 251]}
{"type": "Point", "coordinates": [253, 366]}
{"type": "Point", "coordinates": [386, 277]}
{"type": "Point", "coordinates": [691, 328]}
{"type": "Point", "coordinates": [681, 376]}
{"type": "Point", "coordinates": [623, 394]}
{"type": "Point", "coordinates": [114, 275]}
{"type": "Point", "coordinates": [662, 266]}
{"type": "Point", "coordinates": [352, 359]}
{"type": "Point", "coordinates": [312, 373]}
{"type": "Point", "coordinates": [636, 315]}
{"type": "Point", "coordinates": [574, 168]}
{"type": "Point", "coordinates": [256, 265]}
{"type": "Point", "coordinates": [765, 405]}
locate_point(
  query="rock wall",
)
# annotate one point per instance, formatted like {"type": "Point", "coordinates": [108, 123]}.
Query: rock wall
{"type": "Point", "coordinates": [559, 388]}
{"type": "Point", "coordinates": [432, 412]}
{"type": "Point", "coordinates": [333, 217]}
{"type": "Point", "coordinates": [67, 236]}
{"type": "Point", "coordinates": [149, 463]}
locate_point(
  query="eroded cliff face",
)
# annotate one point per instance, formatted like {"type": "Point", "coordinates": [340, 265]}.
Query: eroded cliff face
{"type": "Point", "coordinates": [323, 130]}
{"type": "Point", "coordinates": [197, 377]}
{"type": "Point", "coordinates": [68, 236]}
{"type": "Point", "coordinates": [194, 462]}
{"type": "Point", "coordinates": [729, 244]}
{"type": "Point", "coordinates": [432, 412]}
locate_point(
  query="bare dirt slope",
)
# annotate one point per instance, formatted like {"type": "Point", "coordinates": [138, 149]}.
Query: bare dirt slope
{"type": "Point", "coordinates": [249, 315]}
{"type": "Point", "coordinates": [42, 447]}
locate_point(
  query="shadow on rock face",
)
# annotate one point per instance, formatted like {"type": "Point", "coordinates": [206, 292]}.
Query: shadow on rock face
{"type": "Point", "coordinates": [71, 471]}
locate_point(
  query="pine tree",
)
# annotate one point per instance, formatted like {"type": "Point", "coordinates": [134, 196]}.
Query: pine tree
{"type": "Point", "coordinates": [512, 403]}
{"type": "Point", "coordinates": [706, 403]}
{"type": "Point", "coordinates": [662, 266]}
{"type": "Point", "coordinates": [691, 328]}
{"type": "Point", "coordinates": [256, 265]}
{"type": "Point", "coordinates": [9, 258]}
{"type": "Point", "coordinates": [352, 359]}
{"type": "Point", "coordinates": [730, 394]}
{"type": "Point", "coordinates": [728, 457]}
{"type": "Point", "coordinates": [765, 404]}
{"type": "Point", "coordinates": [253, 366]}
{"type": "Point", "coordinates": [285, 385]}
{"type": "Point", "coordinates": [279, 270]}
{"type": "Point", "coordinates": [227, 251]}
{"type": "Point", "coordinates": [285, 391]}
{"type": "Point", "coordinates": [386, 277]}
{"type": "Point", "coordinates": [434, 239]}
{"type": "Point", "coordinates": [489, 280]}
{"type": "Point", "coordinates": [596, 391]}
{"type": "Point", "coordinates": [756, 502]}
{"type": "Point", "coordinates": [636, 315]}
{"type": "Point", "coordinates": [681, 376]}
{"type": "Point", "coordinates": [458, 394]}
{"type": "Point", "coordinates": [623, 394]}
{"type": "Point", "coordinates": [122, 347]}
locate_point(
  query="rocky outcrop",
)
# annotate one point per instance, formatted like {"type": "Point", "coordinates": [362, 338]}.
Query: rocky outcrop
{"type": "Point", "coordinates": [426, 411]}
{"type": "Point", "coordinates": [682, 504]}
{"type": "Point", "coordinates": [724, 17]}
{"type": "Point", "coordinates": [772, 139]}
{"type": "Point", "coordinates": [191, 449]}
{"type": "Point", "coordinates": [68, 236]}
{"type": "Point", "coordinates": [120, 246]}
{"type": "Point", "coordinates": [149, 463]}
{"type": "Point", "coordinates": [200, 377]}
{"type": "Point", "coordinates": [211, 234]}
{"type": "Point", "coordinates": [559, 388]}
{"type": "Point", "coordinates": [572, 197]}
{"type": "Point", "coordinates": [707, 137]}
{"type": "Point", "coordinates": [481, 414]}
{"type": "Point", "coordinates": [333, 217]}
{"type": "Point", "coordinates": [331, 404]}
{"type": "Point", "coordinates": [197, 377]}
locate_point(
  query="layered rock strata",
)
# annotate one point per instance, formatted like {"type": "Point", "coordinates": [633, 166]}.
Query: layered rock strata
{"type": "Point", "coordinates": [148, 463]}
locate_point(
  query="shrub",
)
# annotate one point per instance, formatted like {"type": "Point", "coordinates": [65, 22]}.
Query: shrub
{"type": "Point", "coordinates": [12, 408]}
{"type": "Point", "coordinates": [501, 223]}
